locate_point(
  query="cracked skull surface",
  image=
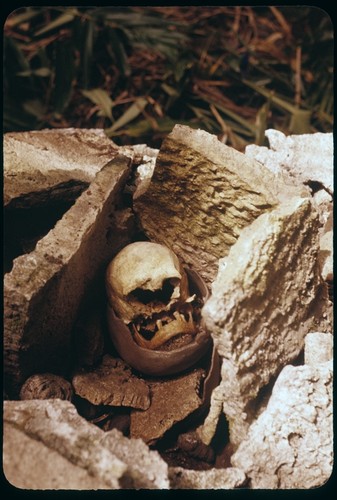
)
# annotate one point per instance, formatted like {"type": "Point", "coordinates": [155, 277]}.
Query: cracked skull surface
{"type": "Point", "coordinates": [147, 288]}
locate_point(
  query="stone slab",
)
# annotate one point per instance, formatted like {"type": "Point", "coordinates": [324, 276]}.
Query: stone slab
{"type": "Point", "coordinates": [34, 466]}
{"type": "Point", "coordinates": [267, 296]}
{"type": "Point", "coordinates": [202, 193]}
{"type": "Point", "coordinates": [45, 164]}
{"type": "Point", "coordinates": [45, 288]}
{"type": "Point", "coordinates": [107, 457]}
{"type": "Point", "coordinates": [214, 479]}
{"type": "Point", "coordinates": [306, 158]}
{"type": "Point", "coordinates": [291, 443]}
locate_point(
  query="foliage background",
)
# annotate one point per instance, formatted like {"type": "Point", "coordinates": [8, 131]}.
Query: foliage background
{"type": "Point", "coordinates": [136, 71]}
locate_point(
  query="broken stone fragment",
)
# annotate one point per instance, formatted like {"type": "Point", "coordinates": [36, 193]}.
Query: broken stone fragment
{"type": "Point", "coordinates": [144, 170]}
{"type": "Point", "coordinates": [324, 203]}
{"type": "Point", "coordinates": [326, 255]}
{"type": "Point", "coordinates": [104, 460]}
{"type": "Point", "coordinates": [172, 400]}
{"type": "Point", "coordinates": [52, 164]}
{"type": "Point", "coordinates": [213, 479]}
{"type": "Point", "coordinates": [290, 445]}
{"type": "Point", "coordinates": [268, 294]}
{"type": "Point", "coordinates": [145, 468]}
{"type": "Point", "coordinates": [45, 288]}
{"type": "Point", "coordinates": [29, 464]}
{"type": "Point", "coordinates": [318, 348]}
{"type": "Point", "coordinates": [202, 193]}
{"type": "Point", "coordinates": [112, 383]}
{"type": "Point", "coordinates": [308, 158]}
{"type": "Point", "coordinates": [46, 386]}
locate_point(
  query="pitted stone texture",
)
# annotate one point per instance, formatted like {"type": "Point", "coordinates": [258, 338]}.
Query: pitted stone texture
{"type": "Point", "coordinates": [46, 164]}
{"type": "Point", "coordinates": [56, 424]}
{"type": "Point", "coordinates": [113, 461]}
{"type": "Point", "coordinates": [268, 294]}
{"type": "Point", "coordinates": [291, 443]}
{"type": "Point", "coordinates": [31, 465]}
{"type": "Point", "coordinates": [45, 288]}
{"type": "Point", "coordinates": [326, 255]}
{"type": "Point", "coordinates": [318, 348]}
{"type": "Point", "coordinates": [146, 469]}
{"type": "Point", "coordinates": [214, 479]}
{"type": "Point", "coordinates": [201, 195]}
{"type": "Point", "coordinates": [307, 157]}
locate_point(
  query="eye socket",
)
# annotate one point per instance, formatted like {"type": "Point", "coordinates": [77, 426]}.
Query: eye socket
{"type": "Point", "coordinates": [163, 295]}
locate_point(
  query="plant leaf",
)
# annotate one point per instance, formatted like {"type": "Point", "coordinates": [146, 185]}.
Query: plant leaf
{"type": "Point", "coordinates": [300, 122]}
{"type": "Point", "coordinates": [64, 74]}
{"type": "Point", "coordinates": [102, 99]}
{"type": "Point", "coordinates": [87, 51]}
{"type": "Point", "coordinates": [130, 114]}
{"type": "Point", "coordinates": [64, 18]}
{"type": "Point", "coordinates": [34, 107]}
{"type": "Point", "coordinates": [16, 19]}
{"type": "Point", "coordinates": [261, 123]}
{"type": "Point", "coordinates": [44, 72]}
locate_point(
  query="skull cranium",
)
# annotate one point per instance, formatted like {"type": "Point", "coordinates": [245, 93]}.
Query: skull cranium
{"type": "Point", "coordinates": [148, 289]}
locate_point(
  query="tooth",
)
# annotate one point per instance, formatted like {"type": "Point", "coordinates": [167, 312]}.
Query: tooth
{"type": "Point", "coordinates": [159, 324]}
{"type": "Point", "coordinates": [177, 315]}
{"type": "Point", "coordinates": [190, 299]}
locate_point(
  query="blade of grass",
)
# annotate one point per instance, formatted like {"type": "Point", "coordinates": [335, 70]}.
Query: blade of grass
{"type": "Point", "coordinates": [61, 20]}
{"type": "Point", "coordinates": [16, 19]}
{"type": "Point", "coordinates": [130, 114]}
{"type": "Point", "coordinates": [87, 52]}
{"type": "Point", "coordinates": [261, 123]}
{"type": "Point", "coordinates": [44, 72]}
{"type": "Point", "coordinates": [300, 122]}
{"type": "Point", "coordinates": [282, 103]}
{"type": "Point", "coordinates": [102, 99]}
{"type": "Point", "coordinates": [250, 127]}
{"type": "Point", "coordinates": [64, 74]}
{"type": "Point", "coordinates": [118, 53]}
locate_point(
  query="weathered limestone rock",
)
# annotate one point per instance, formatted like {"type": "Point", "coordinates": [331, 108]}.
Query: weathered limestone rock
{"type": "Point", "coordinates": [201, 195]}
{"type": "Point", "coordinates": [290, 445]}
{"type": "Point", "coordinates": [112, 383]}
{"type": "Point", "coordinates": [213, 479]}
{"type": "Point", "coordinates": [57, 425]}
{"type": "Point", "coordinates": [318, 348]}
{"type": "Point", "coordinates": [265, 299]}
{"type": "Point", "coordinates": [146, 469]}
{"type": "Point", "coordinates": [307, 158]}
{"type": "Point", "coordinates": [44, 290]}
{"type": "Point", "coordinates": [31, 465]}
{"type": "Point", "coordinates": [326, 255]}
{"type": "Point", "coordinates": [144, 169]}
{"type": "Point", "coordinates": [324, 203]}
{"type": "Point", "coordinates": [102, 459]}
{"type": "Point", "coordinates": [52, 164]}
{"type": "Point", "coordinates": [172, 400]}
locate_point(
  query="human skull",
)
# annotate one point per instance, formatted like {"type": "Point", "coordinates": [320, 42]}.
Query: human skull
{"type": "Point", "coordinates": [147, 288]}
